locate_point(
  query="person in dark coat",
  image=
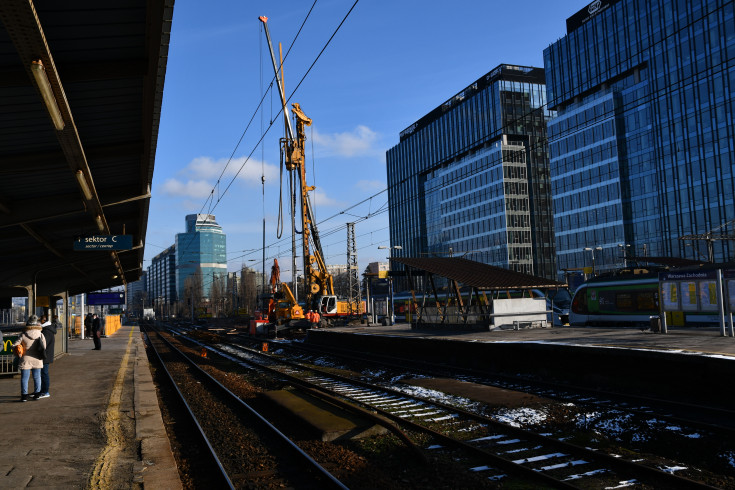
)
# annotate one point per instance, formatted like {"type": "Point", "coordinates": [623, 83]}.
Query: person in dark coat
{"type": "Point", "coordinates": [96, 332]}
{"type": "Point", "coordinates": [88, 325]}
{"type": "Point", "coordinates": [49, 333]}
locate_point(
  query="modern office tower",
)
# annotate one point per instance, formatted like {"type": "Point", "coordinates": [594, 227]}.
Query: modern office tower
{"type": "Point", "coordinates": [642, 146]}
{"type": "Point", "coordinates": [203, 247]}
{"type": "Point", "coordinates": [137, 295]}
{"type": "Point", "coordinates": [161, 282]}
{"type": "Point", "coordinates": [471, 178]}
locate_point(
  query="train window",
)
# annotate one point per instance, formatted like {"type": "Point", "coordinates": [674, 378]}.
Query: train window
{"type": "Point", "coordinates": [647, 301]}
{"type": "Point", "coordinates": [624, 301]}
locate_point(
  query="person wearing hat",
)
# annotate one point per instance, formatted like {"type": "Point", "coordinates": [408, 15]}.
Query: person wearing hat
{"type": "Point", "coordinates": [49, 334]}
{"type": "Point", "coordinates": [31, 362]}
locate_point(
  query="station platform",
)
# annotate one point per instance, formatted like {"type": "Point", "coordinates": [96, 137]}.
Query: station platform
{"type": "Point", "coordinates": [691, 365]}
{"type": "Point", "coordinates": [100, 428]}
{"type": "Point", "coordinates": [689, 340]}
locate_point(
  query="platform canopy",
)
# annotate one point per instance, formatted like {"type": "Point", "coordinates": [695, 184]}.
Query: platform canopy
{"type": "Point", "coordinates": [477, 275]}
{"type": "Point", "coordinates": [81, 84]}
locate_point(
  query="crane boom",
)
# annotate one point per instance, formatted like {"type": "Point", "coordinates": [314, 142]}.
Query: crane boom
{"type": "Point", "coordinates": [320, 294]}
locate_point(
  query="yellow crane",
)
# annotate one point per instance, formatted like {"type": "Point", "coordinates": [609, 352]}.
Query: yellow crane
{"type": "Point", "coordinates": [320, 294]}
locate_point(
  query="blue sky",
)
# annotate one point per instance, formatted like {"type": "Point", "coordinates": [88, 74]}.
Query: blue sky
{"type": "Point", "coordinates": [389, 64]}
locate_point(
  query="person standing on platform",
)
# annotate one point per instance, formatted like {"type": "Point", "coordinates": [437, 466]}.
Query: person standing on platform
{"type": "Point", "coordinates": [88, 325]}
{"type": "Point", "coordinates": [49, 334]}
{"type": "Point", "coordinates": [96, 332]}
{"type": "Point", "coordinates": [31, 362]}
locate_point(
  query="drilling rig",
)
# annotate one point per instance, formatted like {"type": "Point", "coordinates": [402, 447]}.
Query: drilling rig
{"type": "Point", "coordinates": [320, 294]}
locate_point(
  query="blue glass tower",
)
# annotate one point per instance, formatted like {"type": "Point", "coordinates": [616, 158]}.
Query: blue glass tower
{"type": "Point", "coordinates": [472, 176]}
{"type": "Point", "coordinates": [203, 246]}
{"type": "Point", "coordinates": [642, 149]}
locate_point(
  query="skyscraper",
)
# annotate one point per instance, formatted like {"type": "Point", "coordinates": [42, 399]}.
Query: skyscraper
{"type": "Point", "coordinates": [471, 177]}
{"type": "Point", "coordinates": [203, 246]}
{"type": "Point", "coordinates": [161, 281]}
{"type": "Point", "coordinates": [642, 146]}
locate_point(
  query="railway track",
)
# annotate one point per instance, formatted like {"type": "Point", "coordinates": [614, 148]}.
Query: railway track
{"type": "Point", "coordinates": [505, 450]}
{"type": "Point", "coordinates": [697, 417]}
{"type": "Point", "coordinates": [237, 445]}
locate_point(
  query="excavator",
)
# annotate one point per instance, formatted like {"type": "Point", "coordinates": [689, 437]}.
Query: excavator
{"type": "Point", "coordinates": [282, 307]}
{"type": "Point", "coordinates": [320, 294]}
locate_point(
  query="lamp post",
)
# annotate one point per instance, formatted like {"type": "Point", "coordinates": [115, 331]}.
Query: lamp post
{"type": "Point", "coordinates": [390, 279]}
{"type": "Point", "coordinates": [624, 249]}
{"type": "Point", "coordinates": [592, 252]}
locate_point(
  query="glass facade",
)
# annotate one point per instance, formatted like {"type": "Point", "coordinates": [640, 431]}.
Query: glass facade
{"type": "Point", "coordinates": [161, 279]}
{"type": "Point", "coordinates": [204, 245]}
{"type": "Point", "coordinates": [472, 176]}
{"type": "Point", "coordinates": [642, 147]}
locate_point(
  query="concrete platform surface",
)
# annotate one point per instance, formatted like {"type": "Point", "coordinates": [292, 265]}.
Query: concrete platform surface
{"type": "Point", "coordinates": [100, 428]}
{"type": "Point", "coordinates": [707, 341]}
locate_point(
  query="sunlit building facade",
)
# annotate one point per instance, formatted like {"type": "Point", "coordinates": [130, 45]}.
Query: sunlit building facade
{"type": "Point", "coordinates": [471, 178]}
{"type": "Point", "coordinates": [642, 147]}
{"type": "Point", "coordinates": [161, 282]}
{"type": "Point", "coordinates": [203, 247]}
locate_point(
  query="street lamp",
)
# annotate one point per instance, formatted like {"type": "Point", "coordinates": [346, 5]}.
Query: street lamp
{"type": "Point", "coordinates": [592, 252]}
{"type": "Point", "coordinates": [390, 279]}
{"type": "Point", "coordinates": [624, 249]}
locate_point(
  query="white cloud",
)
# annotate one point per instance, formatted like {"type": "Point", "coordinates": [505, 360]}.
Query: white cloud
{"type": "Point", "coordinates": [250, 172]}
{"type": "Point", "coordinates": [190, 188]}
{"type": "Point", "coordinates": [356, 143]}
{"type": "Point", "coordinates": [319, 198]}
{"type": "Point", "coordinates": [199, 177]}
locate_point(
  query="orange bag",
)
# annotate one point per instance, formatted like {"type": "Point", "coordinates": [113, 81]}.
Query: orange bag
{"type": "Point", "coordinates": [19, 349]}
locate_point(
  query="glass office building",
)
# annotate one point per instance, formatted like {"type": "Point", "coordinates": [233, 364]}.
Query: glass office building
{"type": "Point", "coordinates": [203, 246]}
{"type": "Point", "coordinates": [161, 282]}
{"type": "Point", "coordinates": [642, 146]}
{"type": "Point", "coordinates": [471, 178]}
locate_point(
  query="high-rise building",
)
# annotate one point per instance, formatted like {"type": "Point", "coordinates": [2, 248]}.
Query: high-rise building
{"type": "Point", "coordinates": [471, 178]}
{"type": "Point", "coordinates": [161, 281]}
{"type": "Point", "coordinates": [137, 295]}
{"type": "Point", "coordinates": [642, 146]}
{"type": "Point", "coordinates": [203, 247]}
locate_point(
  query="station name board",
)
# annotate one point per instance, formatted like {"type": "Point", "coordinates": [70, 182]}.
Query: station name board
{"type": "Point", "coordinates": [104, 242]}
{"type": "Point", "coordinates": [105, 298]}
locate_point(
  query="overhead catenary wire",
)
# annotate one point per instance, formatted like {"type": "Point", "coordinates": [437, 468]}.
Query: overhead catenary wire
{"type": "Point", "coordinates": [541, 141]}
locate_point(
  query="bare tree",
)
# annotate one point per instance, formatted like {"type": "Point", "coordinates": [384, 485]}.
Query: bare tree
{"type": "Point", "coordinates": [342, 285]}
{"type": "Point", "coordinates": [218, 295]}
{"type": "Point", "coordinates": [193, 291]}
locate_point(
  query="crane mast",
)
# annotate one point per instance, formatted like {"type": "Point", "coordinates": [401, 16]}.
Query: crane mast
{"type": "Point", "coordinates": [318, 281]}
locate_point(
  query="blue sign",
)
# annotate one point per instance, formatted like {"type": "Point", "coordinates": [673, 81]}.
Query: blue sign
{"type": "Point", "coordinates": [106, 298]}
{"type": "Point", "coordinates": [104, 242]}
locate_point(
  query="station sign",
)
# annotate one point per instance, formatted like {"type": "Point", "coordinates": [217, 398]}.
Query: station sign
{"type": "Point", "coordinates": [104, 242]}
{"type": "Point", "coordinates": [106, 298]}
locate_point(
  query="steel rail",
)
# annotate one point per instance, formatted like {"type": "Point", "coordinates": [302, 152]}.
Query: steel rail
{"type": "Point", "coordinates": [306, 458]}
{"type": "Point", "coordinates": [221, 470]}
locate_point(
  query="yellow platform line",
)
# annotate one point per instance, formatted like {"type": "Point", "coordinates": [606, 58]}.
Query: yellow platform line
{"type": "Point", "coordinates": [106, 461]}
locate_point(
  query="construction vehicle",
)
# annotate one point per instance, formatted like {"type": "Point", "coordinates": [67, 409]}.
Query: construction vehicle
{"type": "Point", "coordinates": [319, 283]}
{"type": "Point", "coordinates": [282, 306]}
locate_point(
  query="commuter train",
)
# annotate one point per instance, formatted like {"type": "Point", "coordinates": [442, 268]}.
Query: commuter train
{"type": "Point", "coordinates": [615, 301]}
{"type": "Point", "coordinates": [625, 301]}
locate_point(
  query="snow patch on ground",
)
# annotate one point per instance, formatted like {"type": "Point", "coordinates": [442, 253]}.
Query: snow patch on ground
{"type": "Point", "coordinates": [517, 417]}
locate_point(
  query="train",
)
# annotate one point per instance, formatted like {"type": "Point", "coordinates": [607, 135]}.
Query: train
{"type": "Point", "coordinates": [626, 301]}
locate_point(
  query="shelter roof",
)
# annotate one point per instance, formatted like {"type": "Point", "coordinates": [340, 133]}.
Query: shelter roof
{"type": "Point", "coordinates": [476, 274]}
{"type": "Point", "coordinates": [105, 63]}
